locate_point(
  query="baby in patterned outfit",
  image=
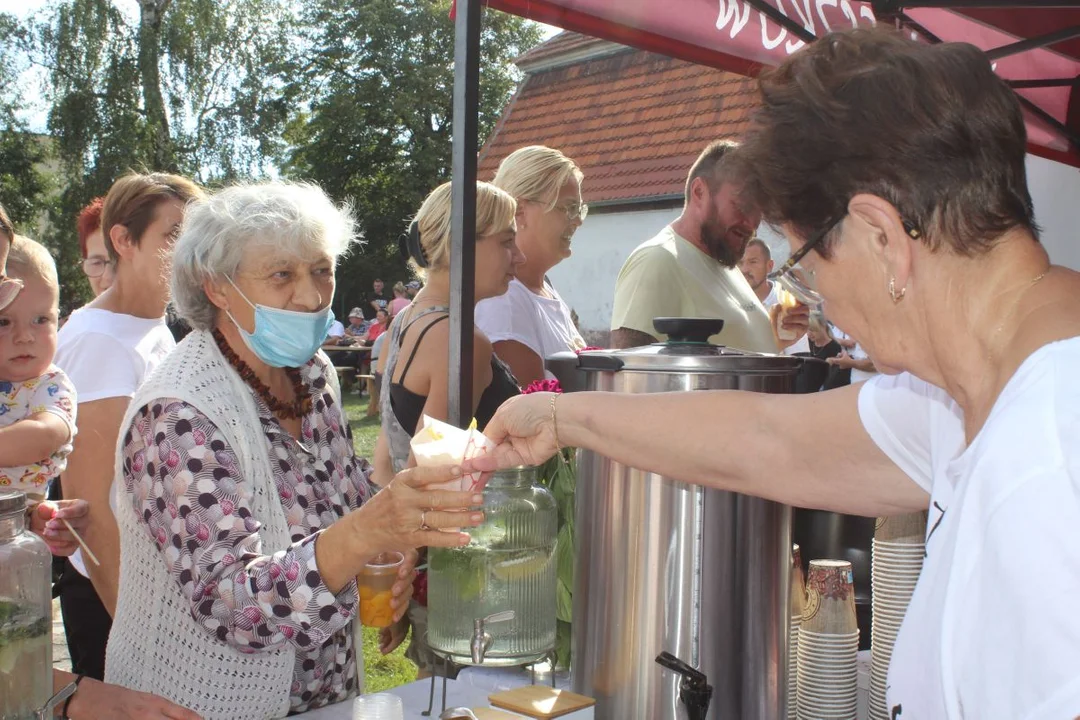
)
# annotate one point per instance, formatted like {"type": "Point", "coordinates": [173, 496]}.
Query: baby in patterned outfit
{"type": "Point", "coordinates": [37, 401]}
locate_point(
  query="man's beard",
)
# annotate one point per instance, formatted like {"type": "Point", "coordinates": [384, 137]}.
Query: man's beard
{"type": "Point", "coordinates": [714, 234]}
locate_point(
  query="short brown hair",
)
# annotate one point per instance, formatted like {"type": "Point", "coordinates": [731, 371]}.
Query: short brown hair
{"type": "Point", "coordinates": [6, 228]}
{"type": "Point", "coordinates": [930, 128]}
{"type": "Point", "coordinates": [132, 200]}
{"type": "Point", "coordinates": [89, 221]}
{"type": "Point", "coordinates": [711, 166]}
{"type": "Point", "coordinates": [758, 242]}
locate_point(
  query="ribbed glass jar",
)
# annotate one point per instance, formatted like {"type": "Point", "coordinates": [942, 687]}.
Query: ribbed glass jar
{"type": "Point", "coordinates": [509, 565]}
{"type": "Point", "coordinates": [25, 614]}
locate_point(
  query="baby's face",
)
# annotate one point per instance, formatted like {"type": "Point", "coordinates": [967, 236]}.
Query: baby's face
{"type": "Point", "coordinates": [28, 331]}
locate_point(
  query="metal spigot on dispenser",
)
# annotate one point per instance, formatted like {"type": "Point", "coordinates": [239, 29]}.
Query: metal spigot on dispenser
{"type": "Point", "coordinates": [695, 692]}
{"type": "Point", "coordinates": [481, 639]}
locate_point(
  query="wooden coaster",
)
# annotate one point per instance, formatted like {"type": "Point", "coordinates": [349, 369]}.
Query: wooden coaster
{"type": "Point", "coordinates": [541, 702]}
{"type": "Point", "coordinates": [493, 714]}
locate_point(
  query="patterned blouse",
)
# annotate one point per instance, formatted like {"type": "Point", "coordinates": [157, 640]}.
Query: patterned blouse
{"type": "Point", "coordinates": [51, 393]}
{"type": "Point", "coordinates": [182, 479]}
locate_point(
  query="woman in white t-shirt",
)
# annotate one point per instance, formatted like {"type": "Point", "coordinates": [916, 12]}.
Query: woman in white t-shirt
{"type": "Point", "coordinates": [896, 171]}
{"type": "Point", "coordinates": [107, 349]}
{"type": "Point", "coordinates": [531, 322]}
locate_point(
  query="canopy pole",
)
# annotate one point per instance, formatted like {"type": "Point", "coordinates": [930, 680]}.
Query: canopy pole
{"type": "Point", "coordinates": [769, 10]}
{"type": "Point", "coordinates": [892, 5]}
{"type": "Point", "coordinates": [1055, 82]}
{"type": "Point", "coordinates": [463, 210]}
{"type": "Point", "coordinates": [1034, 43]}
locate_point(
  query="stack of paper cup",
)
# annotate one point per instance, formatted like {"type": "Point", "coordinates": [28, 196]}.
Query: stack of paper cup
{"type": "Point", "coordinates": [898, 551]}
{"type": "Point", "coordinates": [798, 602]}
{"type": "Point", "coordinates": [828, 644]}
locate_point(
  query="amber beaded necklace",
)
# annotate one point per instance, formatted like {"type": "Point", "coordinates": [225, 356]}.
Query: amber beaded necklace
{"type": "Point", "coordinates": [298, 408]}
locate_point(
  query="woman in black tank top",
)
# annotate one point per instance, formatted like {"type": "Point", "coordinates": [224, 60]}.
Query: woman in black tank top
{"type": "Point", "coordinates": [415, 361]}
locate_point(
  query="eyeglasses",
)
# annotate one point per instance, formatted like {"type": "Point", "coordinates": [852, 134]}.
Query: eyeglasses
{"type": "Point", "coordinates": [574, 211]}
{"type": "Point", "coordinates": [800, 281]}
{"type": "Point", "coordinates": [94, 267]}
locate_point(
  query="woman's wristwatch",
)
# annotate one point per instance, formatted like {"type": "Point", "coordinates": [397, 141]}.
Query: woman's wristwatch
{"type": "Point", "coordinates": [74, 685]}
{"type": "Point", "coordinates": [63, 696]}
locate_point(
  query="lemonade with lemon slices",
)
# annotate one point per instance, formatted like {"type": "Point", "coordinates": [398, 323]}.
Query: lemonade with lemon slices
{"type": "Point", "coordinates": [25, 648]}
{"type": "Point", "coordinates": [509, 565]}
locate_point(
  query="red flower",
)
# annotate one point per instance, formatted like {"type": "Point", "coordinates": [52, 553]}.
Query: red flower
{"type": "Point", "coordinates": [420, 588]}
{"type": "Point", "coordinates": [542, 386]}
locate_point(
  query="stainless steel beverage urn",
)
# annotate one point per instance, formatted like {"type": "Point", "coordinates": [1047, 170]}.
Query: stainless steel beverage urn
{"type": "Point", "coordinates": [668, 567]}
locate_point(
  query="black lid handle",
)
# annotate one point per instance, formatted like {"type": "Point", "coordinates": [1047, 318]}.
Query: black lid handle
{"type": "Point", "coordinates": [688, 330]}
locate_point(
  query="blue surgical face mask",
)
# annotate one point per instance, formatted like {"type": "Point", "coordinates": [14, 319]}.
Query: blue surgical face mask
{"type": "Point", "coordinates": [284, 338]}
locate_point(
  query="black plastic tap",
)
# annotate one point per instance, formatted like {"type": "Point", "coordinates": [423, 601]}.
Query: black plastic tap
{"type": "Point", "coordinates": [695, 692]}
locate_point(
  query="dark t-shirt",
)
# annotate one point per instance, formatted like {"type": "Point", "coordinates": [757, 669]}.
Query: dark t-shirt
{"type": "Point", "coordinates": [382, 299]}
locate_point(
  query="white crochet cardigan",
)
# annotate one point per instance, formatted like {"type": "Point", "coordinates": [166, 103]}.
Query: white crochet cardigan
{"type": "Point", "coordinates": [155, 645]}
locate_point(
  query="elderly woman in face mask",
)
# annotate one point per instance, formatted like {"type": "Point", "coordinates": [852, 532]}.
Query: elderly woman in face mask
{"type": "Point", "coordinates": [244, 514]}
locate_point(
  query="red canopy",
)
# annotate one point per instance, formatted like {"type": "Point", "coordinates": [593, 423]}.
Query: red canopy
{"type": "Point", "coordinates": [743, 35]}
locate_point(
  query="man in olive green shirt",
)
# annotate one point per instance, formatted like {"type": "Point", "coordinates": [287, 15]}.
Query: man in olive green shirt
{"type": "Point", "coordinates": [690, 269]}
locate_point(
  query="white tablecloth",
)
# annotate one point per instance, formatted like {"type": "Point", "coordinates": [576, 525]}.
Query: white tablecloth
{"type": "Point", "coordinates": [474, 685]}
{"type": "Point", "coordinates": [414, 696]}
{"type": "Point", "coordinates": [470, 690]}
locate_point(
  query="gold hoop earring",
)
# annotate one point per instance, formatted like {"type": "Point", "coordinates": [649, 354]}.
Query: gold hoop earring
{"type": "Point", "coordinates": [896, 297]}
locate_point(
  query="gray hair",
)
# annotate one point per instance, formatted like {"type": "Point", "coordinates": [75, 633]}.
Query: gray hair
{"type": "Point", "coordinates": [219, 231]}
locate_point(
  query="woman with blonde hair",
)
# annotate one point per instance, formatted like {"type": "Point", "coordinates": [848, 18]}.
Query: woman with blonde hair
{"type": "Point", "coordinates": [531, 321]}
{"type": "Point", "coordinates": [420, 336]}
{"type": "Point", "coordinates": [401, 299]}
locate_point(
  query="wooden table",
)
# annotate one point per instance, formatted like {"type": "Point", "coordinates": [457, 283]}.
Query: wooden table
{"type": "Point", "coordinates": [332, 349]}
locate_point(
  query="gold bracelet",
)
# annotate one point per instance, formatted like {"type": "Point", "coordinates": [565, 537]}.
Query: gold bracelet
{"type": "Point", "coordinates": [554, 422]}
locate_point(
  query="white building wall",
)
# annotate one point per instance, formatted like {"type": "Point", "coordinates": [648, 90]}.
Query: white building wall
{"type": "Point", "coordinates": [601, 245]}
{"type": "Point", "coordinates": [1055, 188]}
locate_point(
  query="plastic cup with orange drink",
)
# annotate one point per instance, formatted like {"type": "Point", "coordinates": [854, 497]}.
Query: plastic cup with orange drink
{"type": "Point", "coordinates": [376, 587]}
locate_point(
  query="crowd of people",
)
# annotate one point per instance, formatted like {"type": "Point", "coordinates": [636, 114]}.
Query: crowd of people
{"type": "Point", "coordinates": [215, 495]}
{"type": "Point", "coordinates": [216, 480]}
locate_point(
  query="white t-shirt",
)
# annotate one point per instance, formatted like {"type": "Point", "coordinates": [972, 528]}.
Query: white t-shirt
{"type": "Point", "coordinates": [543, 325]}
{"type": "Point", "coordinates": [336, 330]}
{"type": "Point", "coordinates": [376, 347]}
{"type": "Point", "coordinates": [108, 355]}
{"type": "Point", "coordinates": [993, 629]}
{"type": "Point", "coordinates": [669, 277]}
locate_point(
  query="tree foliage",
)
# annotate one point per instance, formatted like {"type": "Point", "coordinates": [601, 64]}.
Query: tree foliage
{"type": "Point", "coordinates": [188, 86]}
{"type": "Point", "coordinates": [355, 95]}
{"type": "Point", "coordinates": [23, 186]}
{"type": "Point", "coordinates": [378, 77]}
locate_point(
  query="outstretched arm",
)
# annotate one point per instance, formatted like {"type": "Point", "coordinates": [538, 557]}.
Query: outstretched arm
{"type": "Point", "coordinates": [805, 450]}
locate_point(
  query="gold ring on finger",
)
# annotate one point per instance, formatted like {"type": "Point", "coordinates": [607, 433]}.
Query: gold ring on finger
{"type": "Point", "coordinates": [423, 521]}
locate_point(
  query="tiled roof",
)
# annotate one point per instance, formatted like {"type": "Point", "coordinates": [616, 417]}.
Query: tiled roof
{"type": "Point", "coordinates": [634, 121]}
{"type": "Point", "coordinates": [563, 44]}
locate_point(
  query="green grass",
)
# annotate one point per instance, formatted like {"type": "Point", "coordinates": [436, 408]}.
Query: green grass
{"type": "Point", "coordinates": [382, 672]}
